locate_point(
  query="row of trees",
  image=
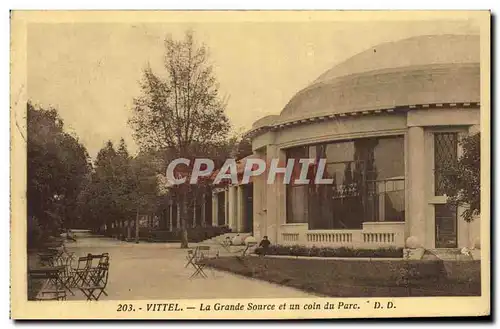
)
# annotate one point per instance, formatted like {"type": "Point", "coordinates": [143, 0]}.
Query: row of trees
{"type": "Point", "coordinates": [57, 166]}
{"type": "Point", "coordinates": [67, 190]}
{"type": "Point", "coordinates": [120, 186]}
{"type": "Point", "coordinates": [180, 113]}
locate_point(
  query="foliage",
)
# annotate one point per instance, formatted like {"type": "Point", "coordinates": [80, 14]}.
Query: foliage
{"type": "Point", "coordinates": [462, 180]}
{"type": "Point", "coordinates": [196, 234]}
{"type": "Point", "coordinates": [181, 112]}
{"type": "Point", "coordinates": [120, 186]}
{"type": "Point", "coordinates": [57, 168]}
{"type": "Point", "coordinates": [244, 148]}
{"type": "Point", "coordinates": [314, 251]}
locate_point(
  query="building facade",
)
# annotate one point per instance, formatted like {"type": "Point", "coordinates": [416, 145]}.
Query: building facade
{"type": "Point", "coordinates": [232, 204]}
{"type": "Point", "coordinates": [386, 121]}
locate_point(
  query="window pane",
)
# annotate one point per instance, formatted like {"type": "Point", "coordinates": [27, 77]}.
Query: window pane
{"type": "Point", "coordinates": [339, 152]}
{"type": "Point", "coordinates": [297, 153]}
{"type": "Point", "coordinates": [368, 185]}
{"type": "Point", "coordinates": [445, 154]}
{"type": "Point", "coordinates": [388, 158]}
{"type": "Point", "coordinates": [297, 200]}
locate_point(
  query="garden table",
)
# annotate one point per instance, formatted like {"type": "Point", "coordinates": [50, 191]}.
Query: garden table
{"type": "Point", "coordinates": [54, 286]}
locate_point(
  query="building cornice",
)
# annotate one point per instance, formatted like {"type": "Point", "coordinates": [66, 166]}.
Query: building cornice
{"type": "Point", "coordinates": [329, 117]}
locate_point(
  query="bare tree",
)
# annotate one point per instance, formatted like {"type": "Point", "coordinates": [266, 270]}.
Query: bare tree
{"type": "Point", "coordinates": [182, 111]}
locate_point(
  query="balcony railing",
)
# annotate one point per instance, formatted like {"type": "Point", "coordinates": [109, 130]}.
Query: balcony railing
{"type": "Point", "coordinates": [372, 235]}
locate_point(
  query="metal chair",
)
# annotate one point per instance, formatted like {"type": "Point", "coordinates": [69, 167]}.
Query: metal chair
{"type": "Point", "coordinates": [97, 283]}
{"type": "Point", "coordinates": [191, 254]}
{"type": "Point", "coordinates": [202, 254]}
{"type": "Point", "coordinates": [94, 283]}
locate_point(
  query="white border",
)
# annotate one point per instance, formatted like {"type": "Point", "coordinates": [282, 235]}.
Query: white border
{"type": "Point", "coordinates": [200, 4]}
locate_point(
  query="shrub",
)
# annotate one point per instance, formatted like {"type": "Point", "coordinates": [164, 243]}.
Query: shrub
{"type": "Point", "coordinates": [314, 251]}
{"type": "Point", "coordinates": [35, 233]}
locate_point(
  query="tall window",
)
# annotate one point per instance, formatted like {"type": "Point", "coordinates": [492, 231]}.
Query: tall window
{"type": "Point", "coordinates": [445, 153]}
{"type": "Point", "coordinates": [296, 194]}
{"type": "Point", "coordinates": [368, 184]}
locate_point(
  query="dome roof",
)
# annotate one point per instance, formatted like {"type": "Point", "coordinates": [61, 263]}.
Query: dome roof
{"type": "Point", "coordinates": [417, 70]}
{"type": "Point", "coordinates": [264, 121]}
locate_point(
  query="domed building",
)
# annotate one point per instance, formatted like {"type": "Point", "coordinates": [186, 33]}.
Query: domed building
{"type": "Point", "coordinates": [386, 120]}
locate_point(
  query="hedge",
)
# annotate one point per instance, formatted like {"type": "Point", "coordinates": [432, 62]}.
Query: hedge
{"type": "Point", "coordinates": [195, 234]}
{"type": "Point", "coordinates": [332, 252]}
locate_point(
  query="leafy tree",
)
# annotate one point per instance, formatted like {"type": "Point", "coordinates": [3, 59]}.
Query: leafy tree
{"type": "Point", "coordinates": [462, 180]}
{"type": "Point", "coordinates": [243, 148]}
{"type": "Point", "coordinates": [100, 197]}
{"type": "Point", "coordinates": [120, 187]}
{"type": "Point", "coordinates": [144, 169]}
{"type": "Point", "coordinates": [57, 168]}
{"type": "Point", "coordinates": [181, 112]}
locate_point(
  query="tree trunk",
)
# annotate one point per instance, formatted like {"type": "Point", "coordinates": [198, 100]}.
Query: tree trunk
{"type": "Point", "coordinates": [137, 226]}
{"type": "Point", "coordinates": [184, 215]}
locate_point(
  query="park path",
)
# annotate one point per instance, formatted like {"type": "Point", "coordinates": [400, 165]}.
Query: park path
{"type": "Point", "coordinates": [156, 271]}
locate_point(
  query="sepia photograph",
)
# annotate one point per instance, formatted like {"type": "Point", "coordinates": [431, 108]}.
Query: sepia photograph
{"type": "Point", "coordinates": [250, 164]}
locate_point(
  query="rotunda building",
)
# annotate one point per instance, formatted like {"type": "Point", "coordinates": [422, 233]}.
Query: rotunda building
{"type": "Point", "coordinates": [385, 121]}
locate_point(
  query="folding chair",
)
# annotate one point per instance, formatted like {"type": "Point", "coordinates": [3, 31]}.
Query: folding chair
{"type": "Point", "coordinates": [81, 274]}
{"type": "Point", "coordinates": [202, 253]}
{"type": "Point", "coordinates": [191, 254]}
{"type": "Point", "coordinates": [78, 275]}
{"type": "Point", "coordinates": [96, 275]}
{"type": "Point", "coordinates": [66, 275]}
{"type": "Point", "coordinates": [97, 281]}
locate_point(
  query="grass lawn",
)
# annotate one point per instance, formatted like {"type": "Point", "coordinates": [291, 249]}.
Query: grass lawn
{"type": "Point", "coordinates": [356, 278]}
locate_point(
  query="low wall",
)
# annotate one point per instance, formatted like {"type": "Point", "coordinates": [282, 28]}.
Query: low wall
{"type": "Point", "coordinates": [372, 235]}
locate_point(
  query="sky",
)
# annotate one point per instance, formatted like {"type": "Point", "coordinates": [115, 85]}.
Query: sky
{"type": "Point", "coordinates": [91, 71]}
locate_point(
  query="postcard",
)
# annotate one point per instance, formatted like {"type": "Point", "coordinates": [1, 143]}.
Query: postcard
{"type": "Point", "coordinates": [250, 164]}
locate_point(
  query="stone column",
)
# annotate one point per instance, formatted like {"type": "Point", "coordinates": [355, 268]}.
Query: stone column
{"type": "Point", "coordinates": [232, 208]}
{"type": "Point", "coordinates": [214, 209]}
{"type": "Point", "coordinates": [226, 206]}
{"type": "Point", "coordinates": [259, 201]}
{"type": "Point", "coordinates": [194, 212]}
{"type": "Point", "coordinates": [203, 205]}
{"type": "Point", "coordinates": [272, 197]}
{"type": "Point", "coordinates": [281, 195]}
{"type": "Point", "coordinates": [417, 191]}
{"type": "Point", "coordinates": [239, 209]}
